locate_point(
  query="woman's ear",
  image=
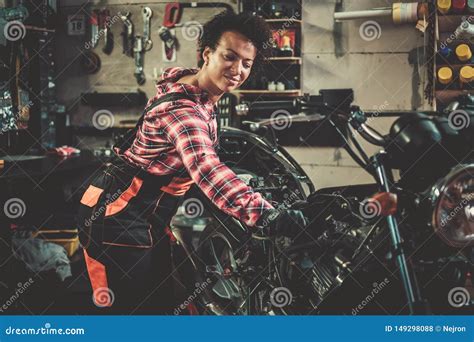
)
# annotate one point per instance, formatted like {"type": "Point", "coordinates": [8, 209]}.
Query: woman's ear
{"type": "Point", "coordinates": [206, 55]}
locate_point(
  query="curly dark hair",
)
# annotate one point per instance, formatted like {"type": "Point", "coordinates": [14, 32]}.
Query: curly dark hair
{"type": "Point", "coordinates": [253, 27]}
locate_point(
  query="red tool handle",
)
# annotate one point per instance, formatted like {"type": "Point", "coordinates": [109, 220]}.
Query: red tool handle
{"type": "Point", "coordinates": [173, 13]}
{"type": "Point", "coordinates": [94, 19]}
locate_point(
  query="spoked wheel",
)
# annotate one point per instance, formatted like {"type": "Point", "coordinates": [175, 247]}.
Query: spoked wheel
{"type": "Point", "coordinates": [231, 289]}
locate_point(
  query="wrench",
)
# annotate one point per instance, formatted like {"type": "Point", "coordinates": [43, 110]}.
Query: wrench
{"type": "Point", "coordinates": [94, 21]}
{"type": "Point", "coordinates": [127, 33]}
{"type": "Point", "coordinates": [138, 51]}
{"type": "Point", "coordinates": [109, 38]}
{"type": "Point", "coordinates": [147, 13]}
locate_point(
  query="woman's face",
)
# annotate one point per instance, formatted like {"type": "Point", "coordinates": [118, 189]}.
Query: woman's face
{"type": "Point", "coordinates": [230, 64]}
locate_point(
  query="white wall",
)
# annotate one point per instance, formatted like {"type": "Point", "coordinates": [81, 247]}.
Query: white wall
{"type": "Point", "coordinates": [334, 56]}
{"type": "Point", "coordinates": [337, 56]}
{"type": "Point", "coordinates": [117, 70]}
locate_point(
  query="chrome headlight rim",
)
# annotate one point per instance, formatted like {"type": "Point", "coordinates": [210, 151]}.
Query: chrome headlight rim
{"type": "Point", "coordinates": [437, 193]}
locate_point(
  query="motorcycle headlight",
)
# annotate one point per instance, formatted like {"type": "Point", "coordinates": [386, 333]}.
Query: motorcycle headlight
{"type": "Point", "coordinates": [453, 200]}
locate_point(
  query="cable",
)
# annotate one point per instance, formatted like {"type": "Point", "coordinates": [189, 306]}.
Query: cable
{"type": "Point", "coordinates": [349, 150]}
{"type": "Point", "coordinates": [358, 147]}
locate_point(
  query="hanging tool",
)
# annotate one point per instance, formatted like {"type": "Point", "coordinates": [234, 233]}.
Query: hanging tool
{"type": "Point", "coordinates": [171, 19]}
{"type": "Point", "coordinates": [94, 21]}
{"type": "Point", "coordinates": [169, 44]}
{"type": "Point", "coordinates": [127, 34]}
{"type": "Point", "coordinates": [90, 61]}
{"type": "Point", "coordinates": [105, 22]}
{"type": "Point", "coordinates": [142, 44]}
{"type": "Point", "coordinates": [138, 51]}
{"type": "Point", "coordinates": [147, 13]}
{"type": "Point", "coordinates": [173, 12]}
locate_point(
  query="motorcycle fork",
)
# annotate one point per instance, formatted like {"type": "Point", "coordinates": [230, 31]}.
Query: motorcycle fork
{"type": "Point", "coordinates": [416, 305]}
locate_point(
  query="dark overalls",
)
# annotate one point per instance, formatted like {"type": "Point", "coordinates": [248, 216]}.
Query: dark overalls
{"type": "Point", "coordinates": [123, 221]}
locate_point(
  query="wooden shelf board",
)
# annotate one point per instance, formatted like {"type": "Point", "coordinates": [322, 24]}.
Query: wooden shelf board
{"type": "Point", "coordinates": [295, 60]}
{"type": "Point", "coordinates": [449, 23]}
{"type": "Point", "coordinates": [284, 20]}
{"type": "Point", "coordinates": [446, 96]}
{"type": "Point", "coordinates": [292, 92]}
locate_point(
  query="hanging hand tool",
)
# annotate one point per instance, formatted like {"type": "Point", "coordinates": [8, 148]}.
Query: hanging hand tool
{"type": "Point", "coordinates": [147, 13]}
{"type": "Point", "coordinates": [90, 61]}
{"type": "Point", "coordinates": [172, 17]}
{"type": "Point", "coordinates": [141, 45]}
{"type": "Point", "coordinates": [127, 34]}
{"type": "Point", "coordinates": [94, 21]}
{"type": "Point", "coordinates": [105, 22]}
{"type": "Point", "coordinates": [138, 51]}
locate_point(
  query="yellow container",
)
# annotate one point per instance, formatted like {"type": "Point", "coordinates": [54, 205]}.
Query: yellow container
{"type": "Point", "coordinates": [445, 75]}
{"type": "Point", "coordinates": [466, 74]}
{"type": "Point", "coordinates": [444, 6]}
{"type": "Point", "coordinates": [463, 51]}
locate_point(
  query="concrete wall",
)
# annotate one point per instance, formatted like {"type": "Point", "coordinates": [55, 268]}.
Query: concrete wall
{"type": "Point", "coordinates": [117, 70]}
{"type": "Point", "coordinates": [383, 73]}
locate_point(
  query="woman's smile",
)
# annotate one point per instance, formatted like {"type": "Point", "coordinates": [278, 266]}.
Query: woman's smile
{"type": "Point", "coordinates": [233, 81]}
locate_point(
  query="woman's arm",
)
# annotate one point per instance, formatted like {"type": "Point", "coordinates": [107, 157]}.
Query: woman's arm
{"type": "Point", "coordinates": [189, 134]}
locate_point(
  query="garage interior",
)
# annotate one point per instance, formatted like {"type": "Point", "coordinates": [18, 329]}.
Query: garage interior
{"type": "Point", "coordinates": [74, 77]}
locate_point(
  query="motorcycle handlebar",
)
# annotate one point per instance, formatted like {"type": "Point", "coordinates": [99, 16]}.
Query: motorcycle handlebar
{"type": "Point", "coordinates": [371, 136]}
{"type": "Point", "coordinates": [308, 109]}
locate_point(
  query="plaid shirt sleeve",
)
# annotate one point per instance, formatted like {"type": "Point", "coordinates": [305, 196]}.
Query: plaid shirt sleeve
{"type": "Point", "coordinates": [189, 134]}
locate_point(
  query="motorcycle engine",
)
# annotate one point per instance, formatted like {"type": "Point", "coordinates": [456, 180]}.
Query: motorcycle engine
{"type": "Point", "coordinates": [338, 262]}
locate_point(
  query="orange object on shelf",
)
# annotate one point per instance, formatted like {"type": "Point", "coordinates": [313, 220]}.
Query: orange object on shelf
{"type": "Point", "coordinates": [463, 52]}
{"type": "Point", "coordinates": [466, 75]}
{"type": "Point", "coordinates": [459, 6]}
{"type": "Point", "coordinates": [445, 75]}
{"type": "Point", "coordinates": [443, 6]}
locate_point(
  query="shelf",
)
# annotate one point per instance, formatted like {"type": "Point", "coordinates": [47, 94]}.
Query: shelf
{"type": "Point", "coordinates": [289, 93]}
{"type": "Point", "coordinates": [445, 26]}
{"type": "Point", "coordinates": [449, 23]}
{"type": "Point", "coordinates": [454, 67]}
{"type": "Point", "coordinates": [285, 20]}
{"type": "Point", "coordinates": [447, 39]}
{"type": "Point", "coordinates": [291, 60]}
{"type": "Point", "coordinates": [446, 96]}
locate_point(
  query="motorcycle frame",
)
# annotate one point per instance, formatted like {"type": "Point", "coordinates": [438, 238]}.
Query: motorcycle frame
{"type": "Point", "coordinates": [383, 177]}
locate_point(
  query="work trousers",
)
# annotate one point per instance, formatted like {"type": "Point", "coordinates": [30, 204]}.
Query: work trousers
{"type": "Point", "coordinates": [123, 222]}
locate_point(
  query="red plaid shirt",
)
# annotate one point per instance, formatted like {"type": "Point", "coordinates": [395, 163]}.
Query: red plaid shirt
{"type": "Point", "coordinates": [181, 136]}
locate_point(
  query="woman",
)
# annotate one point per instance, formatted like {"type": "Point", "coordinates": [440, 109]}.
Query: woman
{"type": "Point", "coordinates": [125, 211]}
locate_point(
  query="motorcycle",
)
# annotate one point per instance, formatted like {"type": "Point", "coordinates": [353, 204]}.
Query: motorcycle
{"type": "Point", "coordinates": [397, 246]}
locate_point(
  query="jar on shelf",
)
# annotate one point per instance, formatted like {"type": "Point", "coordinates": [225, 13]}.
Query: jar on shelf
{"type": "Point", "coordinates": [445, 78]}
{"type": "Point", "coordinates": [466, 77]}
{"type": "Point", "coordinates": [443, 6]}
{"type": "Point", "coordinates": [463, 53]}
{"type": "Point", "coordinates": [458, 6]}
{"type": "Point", "coordinates": [446, 55]}
{"type": "Point", "coordinates": [470, 6]}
